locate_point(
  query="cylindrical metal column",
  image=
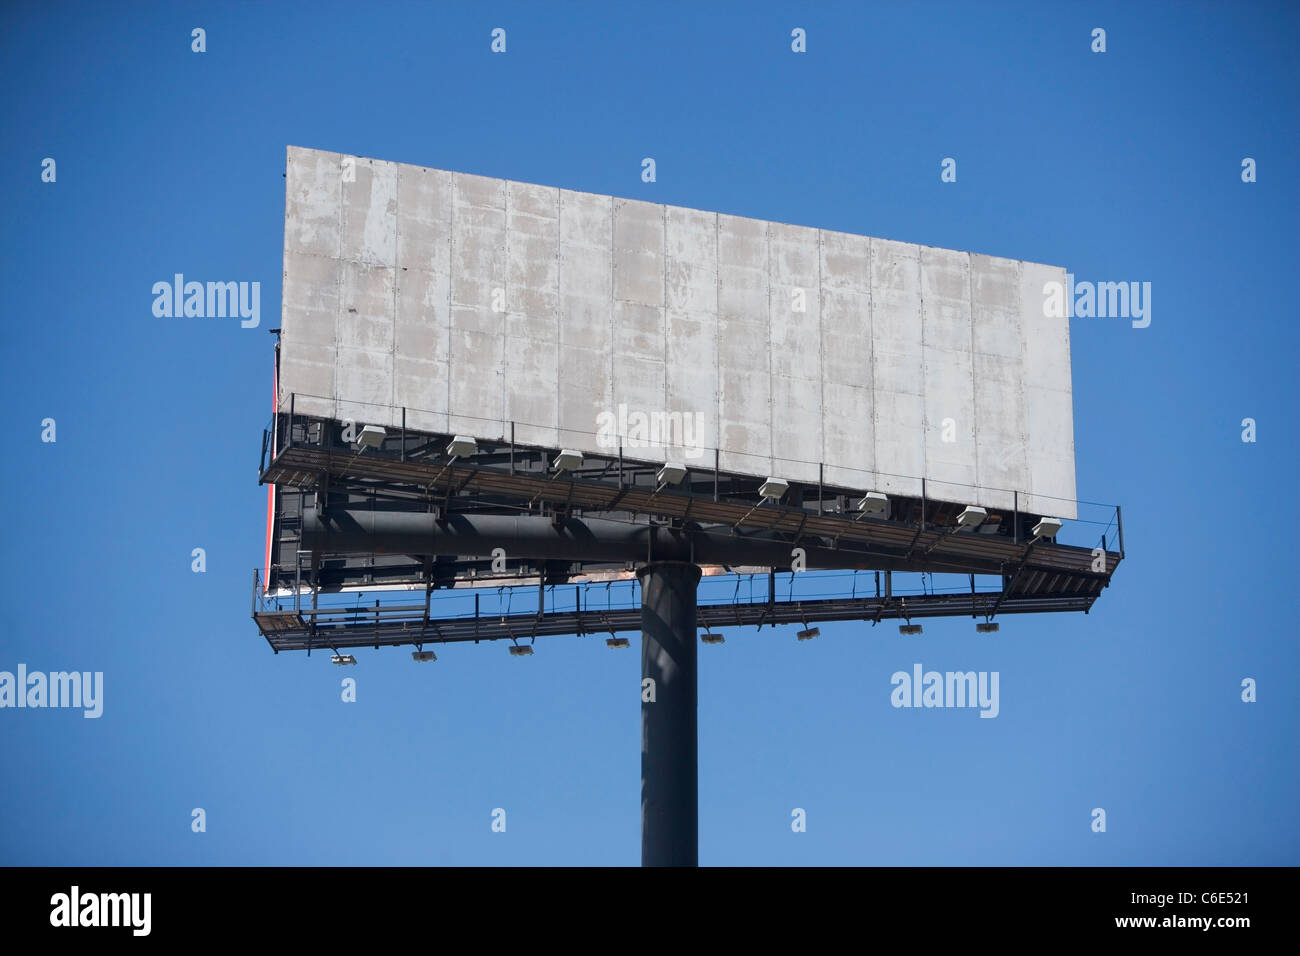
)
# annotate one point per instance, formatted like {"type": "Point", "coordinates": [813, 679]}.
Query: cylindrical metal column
{"type": "Point", "coordinates": [669, 719]}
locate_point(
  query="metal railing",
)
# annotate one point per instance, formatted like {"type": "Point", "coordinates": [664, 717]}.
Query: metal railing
{"type": "Point", "coordinates": [1094, 524]}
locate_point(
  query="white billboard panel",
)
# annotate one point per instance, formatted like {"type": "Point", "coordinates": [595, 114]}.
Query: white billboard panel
{"type": "Point", "coordinates": [588, 321]}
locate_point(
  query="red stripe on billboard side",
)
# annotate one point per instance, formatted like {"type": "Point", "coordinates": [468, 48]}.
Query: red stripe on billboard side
{"type": "Point", "coordinates": [270, 488]}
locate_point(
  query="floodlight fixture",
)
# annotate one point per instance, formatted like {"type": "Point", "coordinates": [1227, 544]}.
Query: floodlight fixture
{"type": "Point", "coordinates": [807, 634]}
{"type": "Point", "coordinates": [708, 637]}
{"type": "Point", "coordinates": [774, 488]}
{"type": "Point", "coordinates": [567, 460]}
{"type": "Point", "coordinates": [971, 517]}
{"type": "Point", "coordinates": [462, 446]}
{"type": "Point", "coordinates": [987, 627]}
{"type": "Point", "coordinates": [909, 629]}
{"type": "Point", "coordinates": [521, 650]}
{"type": "Point", "coordinates": [671, 474]}
{"type": "Point", "coordinates": [372, 436]}
{"type": "Point", "coordinates": [1047, 528]}
{"type": "Point", "coordinates": [616, 642]}
{"type": "Point", "coordinates": [342, 659]}
{"type": "Point", "coordinates": [423, 656]}
{"type": "Point", "coordinates": [873, 503]}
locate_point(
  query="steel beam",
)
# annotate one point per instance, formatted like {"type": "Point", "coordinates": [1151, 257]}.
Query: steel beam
{"type": "Point", "coordinates": [669, 715]}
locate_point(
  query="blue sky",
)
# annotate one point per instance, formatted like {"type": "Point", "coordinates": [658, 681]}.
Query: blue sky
{"type": "Point", "coordinates": [1123, 165]}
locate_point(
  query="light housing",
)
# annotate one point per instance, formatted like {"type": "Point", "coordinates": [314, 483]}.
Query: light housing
{"type": "Point", "coordinates": [423, 656]}
{"type": "Point", "coordinates": [874, 503]}
{"type": "Point", "coordinates": [521, 650]}
{"type": "Point", "coordinates": [987, 627]}
{"type": "Point", "coordinates": [372, 436]}
{"type": "Point", "coordinates": [971, 517]}
{"type": "Point", "coordinates": [671, 474]}
{"type": "Point", "coordinates": [1047, 528]}
{"type": "Point", "coordinates": [567, 460]}
{"type": "Point", "coordinates": [808, 633]}
{"type": "Point", "coordinates": [909, 629]}
{"type": "Point", "coordinates": [462, 446]}
{"type": "Point", "coordinates": [342, 660]}
{"type": "Point", "coordinates": [708, 637]}
{"type": "Point", "coordinates": [774, 488]}
{"type": "Point", "coordinates": [616, 642]}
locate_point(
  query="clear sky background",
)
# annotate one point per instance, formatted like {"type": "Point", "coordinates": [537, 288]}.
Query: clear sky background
{"type": "Point", "coordinates": [1120, 166]}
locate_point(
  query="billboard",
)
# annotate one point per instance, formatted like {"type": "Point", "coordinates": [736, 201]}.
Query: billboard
{"type": "Point", "coordinates": [487, 307]}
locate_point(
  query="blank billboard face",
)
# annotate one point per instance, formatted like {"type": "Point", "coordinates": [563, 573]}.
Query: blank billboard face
{"type": "Point", "coordinates": [591, 322]}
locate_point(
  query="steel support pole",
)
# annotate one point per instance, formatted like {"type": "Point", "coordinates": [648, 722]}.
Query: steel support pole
{"type": "Point", "coordinates": [669, 715]}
